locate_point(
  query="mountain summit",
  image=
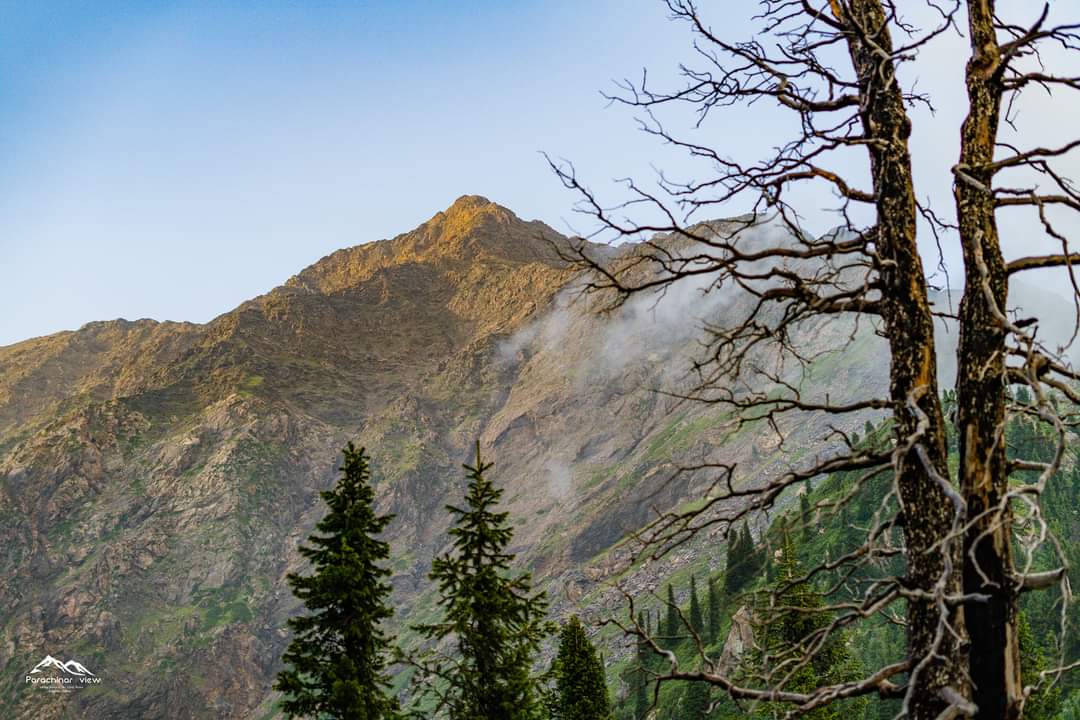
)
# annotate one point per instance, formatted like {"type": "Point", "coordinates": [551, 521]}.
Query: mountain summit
{"type": "Point", "coordinates": [358, 310]}
{"type": "Point", "coordinates": [472, 229]}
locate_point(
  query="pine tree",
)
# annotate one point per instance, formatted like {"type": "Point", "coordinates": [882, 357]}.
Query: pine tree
{"type": "Point", "coordinates": [696, 699]}
{"type": "Point", "coordinates": [1045, 703]}
{"type": "Point", "coordinates": [494, 617]}
{"type": "Point", "coordinates": [336, 658]}
{"type": "Point", "coordinates": [743, 562]}
{"type": "Point", "coordinates": [695, 704]}
{"type": "Point", "coordinates": [580, 686]}
{"type": "Point", "coordinates": [641, 684]}
{"type": "Point", "coordinates": [672, 629]}
{"type": "Point", "coordinates": [755, 560]}
{"type": "Point", "coordinates": [804, 509]}
{"type": "Point", "coordinates": [786, 619]}
{"type": "Point", "coordinates": [641, 700]}
{"type": "Point", "coordinates": [735, 562]}
{"type": "Point", "coordinates": [714, 611]}
{"type": "Point", "coordinates": [697, 622]}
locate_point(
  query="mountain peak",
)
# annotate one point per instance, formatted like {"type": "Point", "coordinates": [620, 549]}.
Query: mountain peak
{"type": "Point", "coordinates": [472, 228]}
{"type": "Point", "coordinates": [467, 203]}
{"type": "Point", "coordinates": [467, 215]}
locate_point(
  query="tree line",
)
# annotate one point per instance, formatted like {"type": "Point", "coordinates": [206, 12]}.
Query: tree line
{"type": "Point", "coordinates": [482, 655]}
{"type": "Point", "coordinates": [482, 652]}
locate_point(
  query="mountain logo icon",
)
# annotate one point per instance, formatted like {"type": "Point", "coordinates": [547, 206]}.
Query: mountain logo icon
{"type": "Point", "coordinates": [71, 667]}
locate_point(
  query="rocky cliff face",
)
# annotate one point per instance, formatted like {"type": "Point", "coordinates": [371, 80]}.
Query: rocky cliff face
{"type": "Point", "coordinates": [156, 478]}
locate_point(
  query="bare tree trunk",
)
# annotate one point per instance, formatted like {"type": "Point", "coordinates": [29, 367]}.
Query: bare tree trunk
{"type": "Point", "coordinates": [928, 512]}
{"type": "Point", "coordinates": [981, 382]}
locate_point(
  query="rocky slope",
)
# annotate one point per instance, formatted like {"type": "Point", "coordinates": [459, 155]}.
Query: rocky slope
{"type": "Point", "coordinates": [156, 478]}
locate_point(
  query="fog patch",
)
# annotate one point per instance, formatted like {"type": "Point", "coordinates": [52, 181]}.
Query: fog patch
{"type": "Point", "coordinates": [560, 479]}
{"type": "Point", "coordinates": [663, 331]}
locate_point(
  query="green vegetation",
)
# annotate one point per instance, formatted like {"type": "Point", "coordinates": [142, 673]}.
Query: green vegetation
{"type": "Point", "coordinates": [337, 660]}
{"type": "Point", "coordinates": [222, 606]}
{"type": "Point", "coordinates": [484, 630]}
{"type": "Point", "coordinates": [249, 385]}
{"type": "Point", "coordinates": [580, 686]}
{"type": "Point", "coordinates": [495, 620]}
{"type": "Point", "coordinates": [786, 615]}
{"type": "Point", "coordinates": [759, 582]}
{"type": "Point", "coordinates": [744, 562]}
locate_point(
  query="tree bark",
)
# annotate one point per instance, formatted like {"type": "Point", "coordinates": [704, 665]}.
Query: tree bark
{"type": "Point", "coordinates": [994, 663]}
{"type": "Point", "coordinates": [928, 513]}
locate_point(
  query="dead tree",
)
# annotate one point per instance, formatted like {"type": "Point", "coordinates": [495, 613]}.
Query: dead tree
{"type": "Point", "coordinates": [833, 65]}
{"type": "Point", "coordinates": [999, 69]}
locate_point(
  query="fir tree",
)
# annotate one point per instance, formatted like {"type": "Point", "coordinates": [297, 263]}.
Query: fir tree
{"type": "Point", "coordinates": [734, 567]}
{"type": "Point", "coordinates": [714, 611]}
{"type": "Point", "coordinates": [336, 658]}
{"type": "Point", "coordinates": [641, 683]}
{"type": "Point", "coordinates": [671, 624]}
{"type": "Point", "coordinates": [695, 704]}
{"type": "Point", "coordinates": [641, 700]}
{"type": "Point", "coordinates": [697, 622]}
{"type": "Point", "coordinates": [494, 617]}
{"type": "Point", "coordinates": [786, 618]}
{"type": "Point", "coordinates": [743, 562]}
{"type": "Point", "coordinates": [580, 686]}
{"type": "Point", "coordinates": [804, 508]}
{"type": "Point", "coordinates": [1044, 703]}
{"type": "Point", "coordinates": [755, 560]}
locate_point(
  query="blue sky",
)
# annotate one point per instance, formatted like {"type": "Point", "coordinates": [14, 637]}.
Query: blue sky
{"type": "Point", "coordinates": [171, 159]}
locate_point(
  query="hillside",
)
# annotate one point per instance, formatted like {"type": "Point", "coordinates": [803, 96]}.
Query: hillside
{"type": "Point", "coordinates": [156, 478]}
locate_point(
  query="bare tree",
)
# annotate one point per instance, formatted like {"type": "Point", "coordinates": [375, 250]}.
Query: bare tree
{"type": "Point", "coordinates": [997, 72]}
{"type": "Point", "coordinates": [832, 65]}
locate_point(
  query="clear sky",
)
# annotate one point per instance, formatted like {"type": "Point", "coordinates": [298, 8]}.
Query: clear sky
{"type": "Point", "coordinates": [171, 159]}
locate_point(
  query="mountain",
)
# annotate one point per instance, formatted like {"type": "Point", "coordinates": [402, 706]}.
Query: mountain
{"type": "Point", "coordinates": [156, 478]}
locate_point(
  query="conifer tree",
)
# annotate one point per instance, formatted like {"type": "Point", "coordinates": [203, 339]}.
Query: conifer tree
{"type": "Point", "coordinates": [493, 616]}
{"type": "Point", "coordinates": [804, 509]}
{"type": "Point", "coordinates": [580, 686]}
{"type": "Point", "coordinates": [697, 622]}
{"type": "Point", "coordinates": [641, 684]}
{"type": "Point", "coordinates": [788, 613]}
{"type": "Point", "coordinates": [743, 562]}
{"type": "Point", "coordinates": [755, 560]}
{"type": "Point", "coordinates": [714, 611]}
{"type": "Point", "coordinates": [733, 570]}
{"type": "Point", "coordinates": [336, 658]}
{"type": "Point", "coordinates": [1044, 703]}
{"type": "Point", "coordinates": [671, 623]}
{"type": "Point", "coordinates": [695, 704]}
